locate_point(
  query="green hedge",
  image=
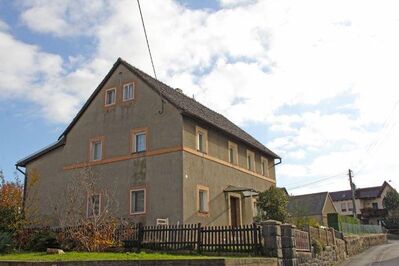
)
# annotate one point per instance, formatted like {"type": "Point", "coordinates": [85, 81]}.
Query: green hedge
{"type": "Point", "coordinates": [335, 220]}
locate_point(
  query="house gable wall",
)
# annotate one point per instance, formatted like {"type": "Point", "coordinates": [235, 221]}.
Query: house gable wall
{"type": "Point", "coordinates": [159, 169]}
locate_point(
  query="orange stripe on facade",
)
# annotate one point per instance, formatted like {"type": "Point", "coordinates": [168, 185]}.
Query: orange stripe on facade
{"type": "Point", "coordinates": [123, 158]}
{"type": "Point", "coordinates": [206, 156]}
{"type": "Point", "coordinates": [165, 151]}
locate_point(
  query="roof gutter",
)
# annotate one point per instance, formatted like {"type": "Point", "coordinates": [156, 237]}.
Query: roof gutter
{"type": "Point", "coordinates": [279, 162]}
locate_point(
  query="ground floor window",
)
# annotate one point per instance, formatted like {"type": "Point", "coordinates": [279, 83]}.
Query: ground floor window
{"type": "Point", "coordinates": [202, 199]}
{"type": "Point", "coordinates": [93, 205]}
{"type": "Point", "coordinates": [137, 201]}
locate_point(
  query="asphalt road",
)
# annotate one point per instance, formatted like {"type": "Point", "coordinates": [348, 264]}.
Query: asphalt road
{"type": "Point", "coordinates": [386, 255]}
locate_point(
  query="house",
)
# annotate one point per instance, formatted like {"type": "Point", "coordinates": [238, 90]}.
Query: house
{"type": "Point", "coordinates": [315, 206]}
{"type": "Point", "coordinates": [368, 202]}
{"type": "Point", "coordinates": [162, 154]}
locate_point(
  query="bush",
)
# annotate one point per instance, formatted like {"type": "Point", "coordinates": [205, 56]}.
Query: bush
{"type": "Point", "coordinates": [5, 242]}
{"type": "Point", "coordinates": [317, 246]}
{"type": "Point", "coordinates": [391, 222]}
{"type": "Point", "coordinates": [41, 240]}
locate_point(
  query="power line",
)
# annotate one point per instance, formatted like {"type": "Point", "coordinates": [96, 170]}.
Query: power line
{"type": "Point", "coordinates": [389, 124]}
{"type": "Point", "coordinates": [316, 181]}
{"type": "Point", "coordinates": [146, 38]}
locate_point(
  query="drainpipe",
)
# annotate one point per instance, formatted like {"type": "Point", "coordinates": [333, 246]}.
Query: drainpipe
{"type": "Point", "coordinates": [24, 193]}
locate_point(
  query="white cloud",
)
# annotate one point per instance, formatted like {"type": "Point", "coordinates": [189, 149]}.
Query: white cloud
{"type": "Point", "coordinates": [255, 59]}
{"type": "Point", "coordinates": [64, 18]}
{"type": "Point", "coordinates": [234, 3]}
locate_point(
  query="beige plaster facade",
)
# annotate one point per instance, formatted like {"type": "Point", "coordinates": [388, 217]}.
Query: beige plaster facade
{"type": "Point", "coordinates": [170, 170]}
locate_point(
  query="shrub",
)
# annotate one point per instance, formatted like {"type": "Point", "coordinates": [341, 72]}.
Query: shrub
{"type": "Point", "coordinates": [391, 222]}
{"type": "Point", "coordinates": [5, 242]}
{"type": "Point", "coordinates": [41, 240]}
{"type": "Point", "coordinates": [317, 246]}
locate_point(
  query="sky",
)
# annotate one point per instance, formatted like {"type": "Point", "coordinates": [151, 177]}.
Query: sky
{"type": "Point", "coordinates": [315, 81]}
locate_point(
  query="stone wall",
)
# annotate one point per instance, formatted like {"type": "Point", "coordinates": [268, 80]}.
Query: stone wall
{"type": "Point", "coordinates": [357, 244]}
{"type": "Point", "coordinates": [326, 257]}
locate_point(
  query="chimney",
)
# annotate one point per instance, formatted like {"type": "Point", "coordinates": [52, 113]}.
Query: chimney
{"type": "Point", "coordinates": [179, 90]}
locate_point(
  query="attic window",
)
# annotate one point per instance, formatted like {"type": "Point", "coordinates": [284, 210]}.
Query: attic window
{"type": "Point", "coordinates": [128, 92]}
{"type": "Point", "coordinates": [110, 97]}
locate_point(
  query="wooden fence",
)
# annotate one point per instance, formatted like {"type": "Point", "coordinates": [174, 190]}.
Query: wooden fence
{"type": "Point", "coordinates": [194, 237]}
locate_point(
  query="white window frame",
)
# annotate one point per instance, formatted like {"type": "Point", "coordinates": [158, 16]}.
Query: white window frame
{"type": "Point", "coordinates": [92, 145]}
{"type": "Point", "coordinates": [145, 201]}
{"type": "Point", "coordinates": [200, 131]}
{"type": "Point", "coordinates": [201, 188]}
{"type": "Point", "coordinates": [123, 91]}
{"type": "Point", "coordinates": [106, 97]}
{"type": "Point", "coordinates": [135, 133]}
{"type": "Point", "coordinates": [89, 202]}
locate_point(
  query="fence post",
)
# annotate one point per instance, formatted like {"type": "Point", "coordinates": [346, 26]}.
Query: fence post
{"type": "Point", "coordinates": [288, 244]}
{"type": "Point", "coordinates": [140, 236]}
{"type": "Point", "coordinates": [271, 234]}
{"type": "Point", "coordinates": [199, 238]}
{"type": "Point", "coordinates": [326, 231]}
{"type": "Point", "coordinates": [256, 244]}
{"type": "Point", "coordinates": [333, 236]}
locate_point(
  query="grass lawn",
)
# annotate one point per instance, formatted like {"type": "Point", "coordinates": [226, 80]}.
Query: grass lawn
{"type": "Point", "coordinates": [85, 256]}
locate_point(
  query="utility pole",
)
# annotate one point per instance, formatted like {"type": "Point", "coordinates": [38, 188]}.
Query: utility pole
{"type": "Point", "coordinates": [353, 188]}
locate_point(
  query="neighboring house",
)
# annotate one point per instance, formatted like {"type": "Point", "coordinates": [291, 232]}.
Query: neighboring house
{"type": "Point", "coordinates": [368, 202]}
{"type": "Point", "coordinates": [165, 155]}
{"type": "Point", "coordinates": [316, 206]}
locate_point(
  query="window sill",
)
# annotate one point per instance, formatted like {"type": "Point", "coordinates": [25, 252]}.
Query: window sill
{"type": "Point", "coordinates": [128, 100]}
{"type": "Point", "coordinates": [140, 152]}
{"type": "Point", "coordinates": [137, 213]}
{"type": "Point", "coordinates": [202, 213]}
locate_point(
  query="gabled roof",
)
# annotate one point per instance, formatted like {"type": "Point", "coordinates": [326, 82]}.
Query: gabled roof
{"type": "Point", "coordinates": [307, 204]}
{"type": "Point", "coordinates": [40, 152]}
{"type": "Point", "coordinates": [360, 193]}
{"type": "Point", "coordinates": [186, 105]}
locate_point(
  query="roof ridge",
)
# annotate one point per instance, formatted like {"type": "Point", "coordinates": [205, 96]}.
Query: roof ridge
{"type": "Point", "coordinates": [198, 111]}
{"type": "Point", "coordinates": [166, 88]}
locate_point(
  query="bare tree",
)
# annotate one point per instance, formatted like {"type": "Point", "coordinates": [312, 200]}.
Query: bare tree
{"type": "Point", "coordinates": [86, 212]}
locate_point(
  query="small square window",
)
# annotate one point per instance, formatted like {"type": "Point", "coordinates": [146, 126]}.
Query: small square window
{"type": "Point", "coordinates": [96, 150]}
{"type": "Point", "coordinates": [128, 92]}
{"type": "Point", "coordinates": [93, 205]}
{"type": "Point", "coordinates": [343, 207]}
{"type": "Point", "coordinates": [110, 97]}
{"type": "Point", "coordinates": [137, 201]}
